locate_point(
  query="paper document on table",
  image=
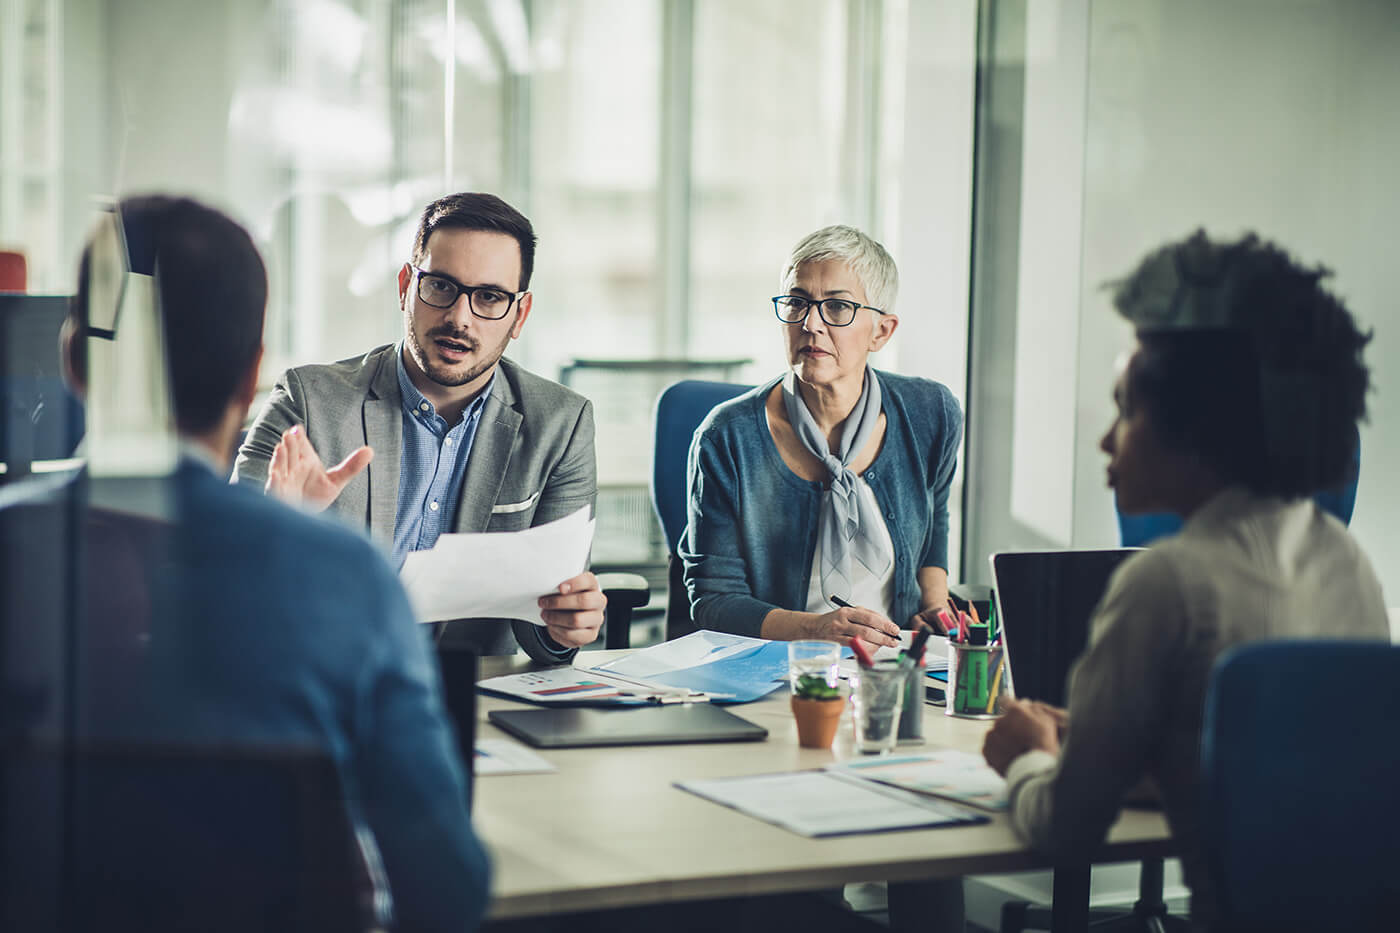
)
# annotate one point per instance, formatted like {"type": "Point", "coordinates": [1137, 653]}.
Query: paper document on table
{"type": "Point", "coordinates": [730, 668]}
{"type": "Point", "coordinates": [580, 686]}
{"type": "Point", "coordinates": [496, 575]}
{"type": "Point", "coordinates": [828, 803]}
{"type": "Point", "coordinates": [945, 772]}
{"type": "Point", "coordinates": [506, 756]}
{"type": "Point", "coordinates": [702, 647]}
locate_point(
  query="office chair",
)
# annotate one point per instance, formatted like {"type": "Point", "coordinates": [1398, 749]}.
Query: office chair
{"type": "Point", "coordinates": [679, 410]}
{"type": "Point", "coordinates": [1299, 767]}
{"type": "Point", "coordinates": [179, 837]}
{"type": "Point", "coordinates": [13, 271]}
{"type": "Point", "coordinates": [1142, 530]}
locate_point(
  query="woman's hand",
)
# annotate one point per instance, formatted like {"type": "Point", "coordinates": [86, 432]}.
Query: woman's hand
{"type": "Point", "coordinates": [928, 617]}
{"type": "Point", "coordinates": [853, 622]}
{"type": "Point", "coordinates": [1024, 726]}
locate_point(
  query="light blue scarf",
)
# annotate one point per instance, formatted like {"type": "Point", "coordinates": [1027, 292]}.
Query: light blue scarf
{"type": "Point", "coordinates": [846, 527]}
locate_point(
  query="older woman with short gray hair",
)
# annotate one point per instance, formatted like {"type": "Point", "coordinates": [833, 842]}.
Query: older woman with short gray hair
{"type": "Point", "coordinates": [818, 502]}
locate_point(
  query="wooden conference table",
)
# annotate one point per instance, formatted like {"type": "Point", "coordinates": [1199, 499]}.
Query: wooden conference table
{"type": "Point", "coordinates": [608, 829]}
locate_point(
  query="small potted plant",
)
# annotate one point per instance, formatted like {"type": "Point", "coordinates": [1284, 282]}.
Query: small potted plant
{"type": "Point", "coordinates": [817, 707]}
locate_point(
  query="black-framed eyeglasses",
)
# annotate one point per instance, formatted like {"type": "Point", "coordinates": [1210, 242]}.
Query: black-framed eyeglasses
{"type": "Point", "coordinates": [485, 301]}
{"type": "Point", "coordinates": [837, 312]}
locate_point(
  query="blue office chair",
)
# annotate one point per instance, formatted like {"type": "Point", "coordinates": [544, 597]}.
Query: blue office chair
{"type": "Point", "coordinates": [679, 411]}
{"type": "Point", "coordinates": [1299, 765]}
{"type": "Point", "coordinates": [1142, 530]}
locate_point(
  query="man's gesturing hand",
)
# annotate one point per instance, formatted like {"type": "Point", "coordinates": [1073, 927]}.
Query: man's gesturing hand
{"type": "Point", "coordinates": [296, 475]}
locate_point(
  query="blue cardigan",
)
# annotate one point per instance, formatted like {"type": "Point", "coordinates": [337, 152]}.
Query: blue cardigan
{"type": "Point", "coordinates": [752, 522]}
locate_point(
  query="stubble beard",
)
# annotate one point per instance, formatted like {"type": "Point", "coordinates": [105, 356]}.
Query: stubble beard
{"type": "Point", "coordinates": [448, 376]}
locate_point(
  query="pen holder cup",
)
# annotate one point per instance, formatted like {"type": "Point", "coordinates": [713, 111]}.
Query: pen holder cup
{"type": "Point", "coordinates": [878, 696]}
{"type": "Point", "coordinates": [911, 714]}
{"type": "Point", "coordinates": [976, 684]}
{"type": "Point", "coordinates": [817, 720]}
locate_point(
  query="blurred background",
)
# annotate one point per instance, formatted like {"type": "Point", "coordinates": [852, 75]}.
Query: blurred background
{"type": "Point", "coordinates": [1013, 156]}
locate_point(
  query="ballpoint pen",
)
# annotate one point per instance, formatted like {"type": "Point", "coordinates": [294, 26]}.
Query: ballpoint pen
{"type": "Point", "coordinates": [840, 603]}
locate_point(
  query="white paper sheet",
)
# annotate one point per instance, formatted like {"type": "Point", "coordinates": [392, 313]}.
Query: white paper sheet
{"type": "Point", "coordinates": [504, 756]}
{"type": "Point", "coordinates": [945, 772]}
{"type": "Point", "coordinates": [497, 575]}
{"type": "Point", "coordinates": [702, 647]}
{"type": "Point", "coordinates": [828, 803]}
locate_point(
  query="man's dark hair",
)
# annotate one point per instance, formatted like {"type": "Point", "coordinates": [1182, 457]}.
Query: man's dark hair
{"type": "Point", "coordinates": [1247, 361]}
{"type": "Point", "coordinates": [476, 211]}
{"type": "Point", "coordinates": [212, 287]}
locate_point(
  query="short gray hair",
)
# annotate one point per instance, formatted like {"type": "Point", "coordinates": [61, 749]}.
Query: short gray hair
{"type": "Point", "coordinates": [867, 259]}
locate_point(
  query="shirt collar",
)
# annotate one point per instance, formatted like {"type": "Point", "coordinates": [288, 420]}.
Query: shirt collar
{"type": "Point", "coordinates": [413, 400]}
{"type": "Point", "coordinates": [1232, 504]}
{"type": "Point", "coordinates": [196, 452]}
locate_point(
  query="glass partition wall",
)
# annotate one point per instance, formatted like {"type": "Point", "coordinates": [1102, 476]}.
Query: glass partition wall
{"type": "Point", "coordinates": [669, 153]}
{"type": "Point", "coordinates": [1106, 128]}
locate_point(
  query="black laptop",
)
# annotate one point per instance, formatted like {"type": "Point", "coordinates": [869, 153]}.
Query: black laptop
{"type": "Point", "coordinates": [1044, 601]}
{"type": "Point", "coordinates": [578, 727]}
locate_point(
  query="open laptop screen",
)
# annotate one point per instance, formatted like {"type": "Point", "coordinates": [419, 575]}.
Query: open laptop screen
{"type": "Point", "coordinates": [1044, 602]}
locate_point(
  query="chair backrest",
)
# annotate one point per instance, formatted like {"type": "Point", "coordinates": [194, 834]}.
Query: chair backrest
{"type": "Point", "coordinates": [1142, 530]}
{"type": "Point", "coordinates": [679, 410]}
{"type": "Point", "coordinates": [39, 418]}
{"type": "Point", "coordinates": [212, 839]}
{"type": "Point", "coordinates": [1301, 771]}
{"type": "Point", "coordinates": [13, 271]}
{"type": "Point", "coordinates": [458, 665]}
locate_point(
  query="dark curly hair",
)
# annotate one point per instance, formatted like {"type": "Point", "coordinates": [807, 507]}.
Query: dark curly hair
{"type": "Point", "coordinates": [1248, 361]}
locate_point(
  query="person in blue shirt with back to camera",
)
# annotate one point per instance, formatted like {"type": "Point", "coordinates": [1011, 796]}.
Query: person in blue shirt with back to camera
{"type": "Point", "coordinates": [830, 481]}
{"type": "Point", "coordinates": [265, 627]}
{"type": "Point", "coordinates": [1239, 401]}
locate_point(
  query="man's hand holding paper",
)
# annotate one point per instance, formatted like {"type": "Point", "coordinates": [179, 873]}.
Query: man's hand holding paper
{"type": "Point", "coordinates": [537, 575]}
{"type": "Point", "coordinates": [574, 613]}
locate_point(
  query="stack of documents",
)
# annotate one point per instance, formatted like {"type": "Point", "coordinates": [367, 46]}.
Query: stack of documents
{"type": "Point", "coordinates": [498, 575]}
{"type": "Point", "coordinates": [732, 667]}
{"type": "Point", "coordinates": [704, 666]}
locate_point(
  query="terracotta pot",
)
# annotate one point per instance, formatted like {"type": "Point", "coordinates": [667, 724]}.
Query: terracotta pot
{"type": "Point", "coordinates": [817, 720]}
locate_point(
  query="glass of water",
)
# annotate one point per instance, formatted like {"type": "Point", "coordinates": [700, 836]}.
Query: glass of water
{"type": "Point", "coordinates": [818, 658]}
{"type": "Point", "coordinates": [878, 697]}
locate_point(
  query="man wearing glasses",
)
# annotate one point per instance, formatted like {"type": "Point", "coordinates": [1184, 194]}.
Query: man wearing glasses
{"type": "Point", "coordinates": [440, 433]}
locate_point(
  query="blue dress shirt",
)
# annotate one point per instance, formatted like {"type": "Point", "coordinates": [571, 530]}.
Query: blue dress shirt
{"type": "Point", "coordinates": [431, 466]}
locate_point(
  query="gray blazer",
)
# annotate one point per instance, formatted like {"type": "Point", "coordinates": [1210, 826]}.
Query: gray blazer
{"type": "Point", "coordinates": [532, 460]}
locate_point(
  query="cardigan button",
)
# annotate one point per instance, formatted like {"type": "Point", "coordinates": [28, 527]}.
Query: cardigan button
{"type": "Point", "coordinates": [870, 475]}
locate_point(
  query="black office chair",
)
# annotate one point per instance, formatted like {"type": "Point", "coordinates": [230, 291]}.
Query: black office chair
{"type": "Point", "coordinates": [236, 839]}
{"type": "Point", "coordinates": [458, 669]}
{"type": "Point", "coordinates": [1299, 769]}
{"type": "Point", "coordinates": [679, 411]}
